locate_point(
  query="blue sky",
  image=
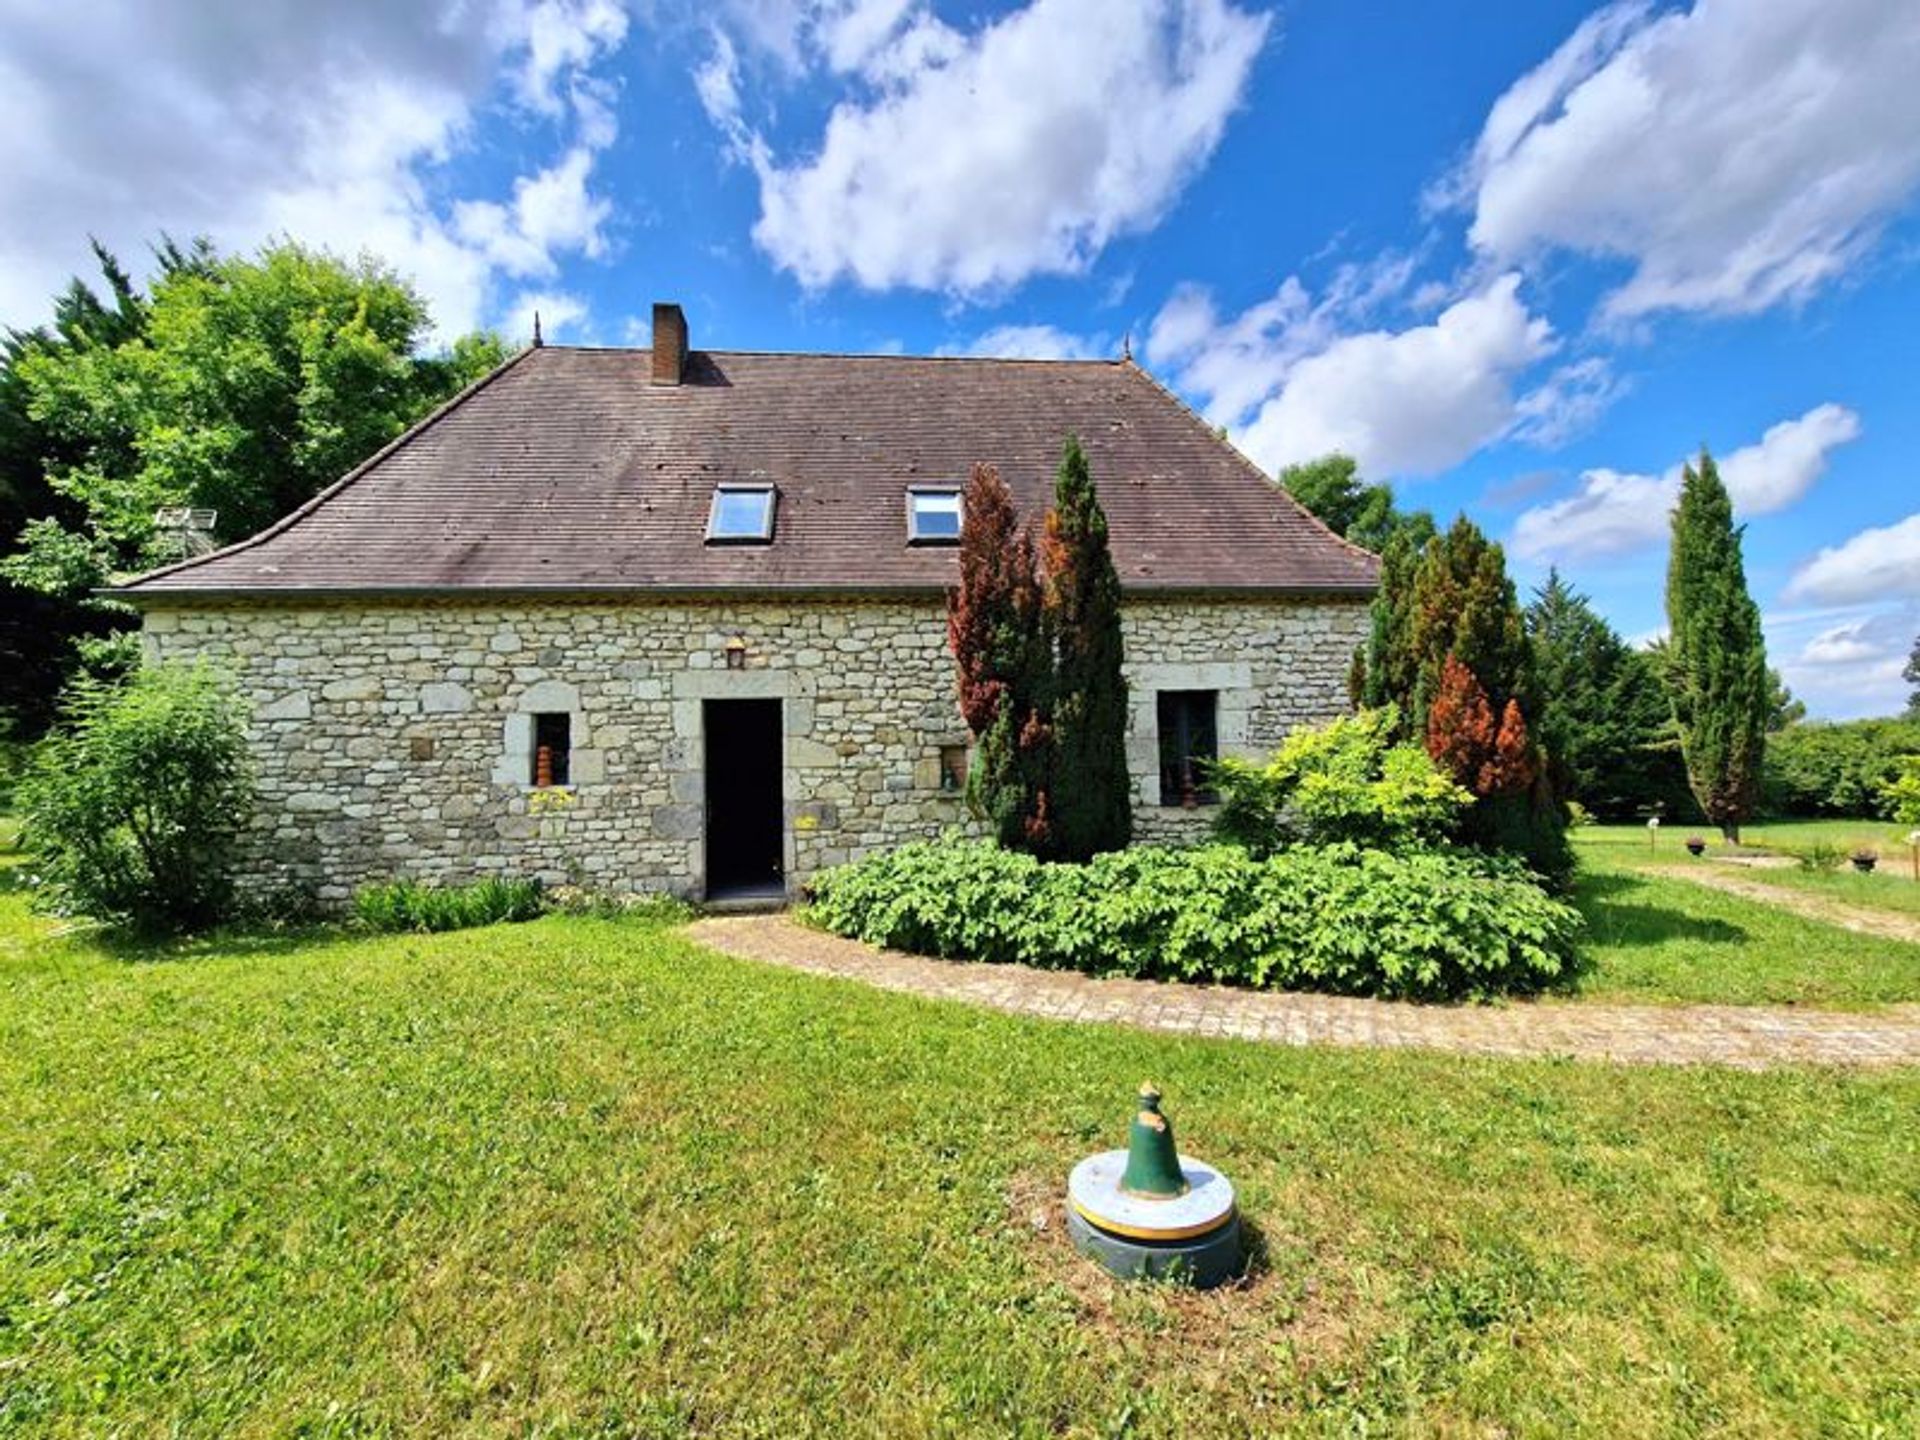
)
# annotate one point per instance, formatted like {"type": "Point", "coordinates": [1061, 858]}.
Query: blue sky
{"type": "Point", "coordinates": [1521, 259]}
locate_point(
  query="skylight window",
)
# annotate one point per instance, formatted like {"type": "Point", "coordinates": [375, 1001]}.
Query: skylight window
{"type": "Point", "coordinates": [741, 515]}
{"type": "Point", "coordinates": [933, 516]}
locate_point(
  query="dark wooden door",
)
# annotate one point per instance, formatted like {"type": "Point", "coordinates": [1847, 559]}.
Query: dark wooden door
{"type": "Point", "coordinates": [746, 831]}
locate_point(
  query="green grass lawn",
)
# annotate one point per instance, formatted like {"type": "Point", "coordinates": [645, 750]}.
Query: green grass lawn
{"type": "Point", "coordinates": [1890, 886]}
{"type": "Point", "coordinates": [1652, 938]}
{"type": "Point", "coordinates": [581, 1178]}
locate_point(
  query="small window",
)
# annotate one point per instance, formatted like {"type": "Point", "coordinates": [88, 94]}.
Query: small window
{"type": "Point", "coordinates": [933, 516]}
{"type": "Point", "coordinates": [740, 515]}
{"type": "Point", "coordinates": [953, 768]}
{"type": "Point", "coordinates": [552, 748]}
{"type": "Point", "coordinates": [1189, 745]}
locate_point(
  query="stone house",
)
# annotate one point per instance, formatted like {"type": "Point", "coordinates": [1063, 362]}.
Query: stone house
{"type": "Point", "coordinates": [675, 619]}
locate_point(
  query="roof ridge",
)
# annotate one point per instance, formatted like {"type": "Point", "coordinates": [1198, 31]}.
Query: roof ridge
{"type": "Point", "coordinates": [1271, 482]}
{"type": "Point", "coordinates": [1112, 362]}
{"type": "Point", "coordinates": [285, 522]}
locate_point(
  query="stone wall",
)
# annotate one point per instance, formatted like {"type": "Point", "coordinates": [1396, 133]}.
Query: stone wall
{"type": "Point", "coordinates": [395, 739]}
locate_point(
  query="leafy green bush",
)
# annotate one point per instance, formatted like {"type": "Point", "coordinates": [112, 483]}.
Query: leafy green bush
{"type": "Point", "coordinates": [1817, 857]}
{"type": "Point", "coordinates": [134, 806]}
{"type": "Point", "coordinates": [1900, 796]}
{"type": "Point", "coordinates": [1420, 924]}
{"type": "Point", "coordinates": [404, 905]}
{"type": "Point", "coordinates": [1837, 769]}
{"type": "Point", "coordinates": [1341, 782]}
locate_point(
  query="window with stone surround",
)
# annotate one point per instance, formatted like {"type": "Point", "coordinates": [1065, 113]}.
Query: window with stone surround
{"type": "Point", "coordinates": [1189, 746]}
{"type": "Point", "coordinates": [552, 749]}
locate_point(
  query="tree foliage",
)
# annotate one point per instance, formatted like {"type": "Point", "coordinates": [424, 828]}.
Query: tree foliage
{"type": "Point", "coordinates": [240, 385]}
{"type": "Point", "coordinates": [1717, 658]}
{"type": "Point", "coordinates": [135, 805]}
{"type": "Point", "coordinates": [1092, 808]}
{"type": "Point", "coordinates": [997, 630]}
{"type": "Point", "coordinates": [42, 615]}
{"type": "Point", "coordinates": [1364, 513]}
{"type": "Point", "coordinates": [1900, 796]}
{"type": "Point", "coordinates": [1486, 757]}
{"type": "Point", "coordinates": [1607, 728]}
{"type": "Point", "coordinates": [1444, 608]}
{"type": "Point", "coordinates": [1839, 769]}
{"type": "Point", "coordinates": [1346, 782]}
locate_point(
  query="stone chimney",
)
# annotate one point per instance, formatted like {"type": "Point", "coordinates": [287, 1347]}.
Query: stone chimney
{"type": "Point", "coordinates": [669, 344]}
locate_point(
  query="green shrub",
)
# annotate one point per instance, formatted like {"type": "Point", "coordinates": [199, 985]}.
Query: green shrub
{"type": "Point", "coordinates": [1900, 796]}
{"type": "Point", "coordinates": [1341, 782]}
{"type": "Point", "coordinates": [1837, 769]}
{"type": "Point", "coordinates": [1420, 924]}
{"type": "Point", "coordinates": [403, 905]}
{"type": "Point", "coordinates": [135, 804]}
{"type": "Point", "coordinates": [1817, 857]}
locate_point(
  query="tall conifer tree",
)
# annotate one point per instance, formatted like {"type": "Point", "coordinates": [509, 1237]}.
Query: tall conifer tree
{"type": "Point", "coordinates": [1092, 810]}
{"type": "Point", "coordinates": [1716, 655]}
{"type": "Point", "coordinates": [996, 627]}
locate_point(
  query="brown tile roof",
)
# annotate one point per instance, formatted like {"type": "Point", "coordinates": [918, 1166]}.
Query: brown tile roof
{"type": "Point", "coordinates": [567, 471]}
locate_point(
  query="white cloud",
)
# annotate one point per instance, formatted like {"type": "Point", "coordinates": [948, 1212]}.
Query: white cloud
{"type": "Point", "coordinates": [560, 315]}
{"type": "Point", "coordinates": [1034, 342]}
{"type": "Point", "coordinates": [1841, 645]}
{"type": "Point", "coordinates": [244, 120]}
{"type": "Point", "coordinates": [551, 212]}
{"type": "Point", "coordinates": [1236, 364]}
{"type": "Point", "coordinates": [1852, 667]}
{"type": "Point", "coordinates": [1614, 513]}
{"type": "Point", "coordinates": [839, 33]}
{"type": "Point", "coordinates": [968, 161]}
{"type": "Point", "coordinates": [1876, 564]}
{"type": "Point", "coordinates": [1735, 155]}
{"type": "Point", "coordinates": [1293, 384]}
{"type": "Point", "coordinates": [1566, 403]}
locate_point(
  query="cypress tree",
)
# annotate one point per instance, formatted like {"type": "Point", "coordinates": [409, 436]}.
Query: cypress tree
{"type": "Point", "coordinates": [1448, 647]}
{"type": "Point", "coordinates": [996, 629]}
{"type": "Point", "coordinates": [1092, 811]}
{"type": "Point", "coordinates": [1384, 671]}
{"type": "Point", "coordinates": [1717, 657]}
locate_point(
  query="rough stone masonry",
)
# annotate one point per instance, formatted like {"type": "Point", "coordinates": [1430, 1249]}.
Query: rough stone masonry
{"type": "Point", "coordinates": [393, 739]}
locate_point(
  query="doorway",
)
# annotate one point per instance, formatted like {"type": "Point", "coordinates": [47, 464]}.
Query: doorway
{"type": "Point", "coordinates": [746, 831]}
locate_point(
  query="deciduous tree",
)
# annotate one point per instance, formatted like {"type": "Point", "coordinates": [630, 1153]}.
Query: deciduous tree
{"type": "Point", "coordinates": [240, 385]}
{"type": "Point", "coordinates": [1364, 513]}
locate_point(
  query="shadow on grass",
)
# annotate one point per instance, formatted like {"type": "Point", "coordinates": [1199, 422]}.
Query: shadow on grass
{"type": "Point", "coordinates": [223, 944]}
{"type": "Point", "coordinates": [1615, 917]}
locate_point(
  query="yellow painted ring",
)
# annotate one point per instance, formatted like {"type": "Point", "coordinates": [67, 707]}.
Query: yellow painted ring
{"type": "Point", "coordinates": [1138, 1232]}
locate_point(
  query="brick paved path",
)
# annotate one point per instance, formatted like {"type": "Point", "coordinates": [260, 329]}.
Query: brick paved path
{"type": "Point", "coordinates": [1880, 923]}
{"type": "Point", "coordinates": [1752, 1037]}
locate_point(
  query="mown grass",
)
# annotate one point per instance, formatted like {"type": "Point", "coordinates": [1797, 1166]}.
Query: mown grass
{"type": "Point", "coordinates": [1889, 886]}
{"type": "Point", "coordinates": [1661, 939]}
{"type": "Point", "coordinates": [580, 1178]}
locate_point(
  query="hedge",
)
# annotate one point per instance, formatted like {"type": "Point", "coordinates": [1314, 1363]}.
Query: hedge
{"type": "Point", "coordinates": [1419, 924]}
